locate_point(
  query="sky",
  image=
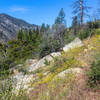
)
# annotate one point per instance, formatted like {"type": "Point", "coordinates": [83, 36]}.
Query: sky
{"type": "Point", "coordinates": [41, 11]}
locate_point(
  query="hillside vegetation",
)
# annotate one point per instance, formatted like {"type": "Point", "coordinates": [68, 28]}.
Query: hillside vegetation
{"type": "Point", "coordinates": [52, 63]}
{"type": "Point", "coordinates": [48, 85]}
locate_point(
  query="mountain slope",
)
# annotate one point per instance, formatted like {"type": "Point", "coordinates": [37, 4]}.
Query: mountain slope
{"type": "Point", "coordinates": [58, 76]}
{"type": "Point", "coordinates": [9, 27]}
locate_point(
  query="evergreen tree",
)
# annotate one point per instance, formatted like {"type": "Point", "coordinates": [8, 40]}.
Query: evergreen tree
{"type": "Point", "coordinates": [47, 27]}
{"type": "Point", "coordinates": [57, 21]}
{"type": "Point", "coordinates": [30, 34]}
{"type": "Point", "coordinates": [61, 17]}
{"type": "Point", "coordinates": [42, 30]}
{"type": "Point", "coordinates": [37, 31]}
{"type": "Point", "coordinates": [26, 36]}
{"type": "Point", "coordinates": [20, 35]}
{"type": "Point", "coordinates": [74, 25]}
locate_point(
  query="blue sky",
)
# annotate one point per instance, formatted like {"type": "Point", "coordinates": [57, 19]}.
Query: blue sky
{"type": "Point", "coordinates": [41, 11]}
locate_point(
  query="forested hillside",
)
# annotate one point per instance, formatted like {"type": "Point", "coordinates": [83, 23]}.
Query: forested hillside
{"type": "Point", "coordinates": [9, 27]}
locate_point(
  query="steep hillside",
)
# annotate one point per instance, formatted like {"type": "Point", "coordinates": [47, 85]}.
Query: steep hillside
{"type": "Point", "coordinates": [58, 76]}
{"type": "Point", "coordinates": [9, 27]}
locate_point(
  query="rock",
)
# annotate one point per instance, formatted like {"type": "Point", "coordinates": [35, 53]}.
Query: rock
{"type": "Point", "coordinates": [76, 43]}
{"type": "Point", "coordinates": [41, 62]}
{"type": "Point", "coordinates": [31, 61]}
{"type": "Point", "coordinates": [21, 81]}
{"type": "Point", "coordinates": [55, 54]}
{"type": "Point", "coordinates": [15, 71]}
{"type": "Point", "coordinates": [69, 71]}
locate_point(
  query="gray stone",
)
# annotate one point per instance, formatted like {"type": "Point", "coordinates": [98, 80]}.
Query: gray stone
{"type": "Point", "coordinates": [41, 62]}
{"type": "Point", "coordinates": [76, 43]}
{"type": "Point", "coordinates": [69, 71]}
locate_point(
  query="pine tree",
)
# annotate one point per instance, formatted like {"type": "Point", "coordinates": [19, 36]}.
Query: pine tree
{"type": "Point", "coordinates": [20, 35]}
{"type": "Point", "coordinates": [61, 17]}
{"type": "Point", "coordinates": [26, 36]}
{"type": "Point", "coordinates": [47, 27]}
{"type": "Point", "coordinates": [74, 25]}
{"type": "Point", "coordinates": [43, 29]}
{"type": "Point", "coordinates": [30, 34]}
{"type": "Point", "coordinates": [57, 21]}
{"type": "Point", "coordinates": [37, 31]}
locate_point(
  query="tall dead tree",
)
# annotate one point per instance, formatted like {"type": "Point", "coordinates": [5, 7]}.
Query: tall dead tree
{"type": "Point", "coordinates": [80, 9]}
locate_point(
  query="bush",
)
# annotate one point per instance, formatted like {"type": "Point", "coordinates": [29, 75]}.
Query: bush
{"type": "Point", "coordinates": [94, 73]}
{"type": "Point", "coordinates": [6, 91]}
{"type": "Point", "coordinates": [83, 34]}
{"type": "Point", "coordinates": [98, 31]}
{"type": "Point", "coordinates": [68, 37]}
{"type": "Point", "coordinates": [48, 45]}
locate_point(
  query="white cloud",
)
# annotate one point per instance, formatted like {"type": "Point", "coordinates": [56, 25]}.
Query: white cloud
{"type": "Point", "coordinates": [18, 9]}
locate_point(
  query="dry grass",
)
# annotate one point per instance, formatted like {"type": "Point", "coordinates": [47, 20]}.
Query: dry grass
{"type": "Point", "coordinates": [68, 88]}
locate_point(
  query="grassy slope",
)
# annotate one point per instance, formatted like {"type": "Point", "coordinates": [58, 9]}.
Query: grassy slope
{"type": "Point", "coordinates": [70, 88]}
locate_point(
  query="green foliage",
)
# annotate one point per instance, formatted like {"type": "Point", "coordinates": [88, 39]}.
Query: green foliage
{"type": "Point", "coordinates": [20, 34]}
{"type": "Point", "coordinates": [75, 26]}
{"type": "Point", "coordinates": [17, 51]}
{"type": "Point", "coordinates": [83, 34]}
{"type": "Point", "coordinates": [94, 72]}
{"type": "Point", "coordinates": [97, 31]}
{"type": "Point", "coordinates": [46, 62]}
{"type": "Point", "coordinates": [93, 25]}
{"type": "Point", "coordinates": [48, 45]}
{"type": "Point", "coordinates": [68, 37]}
{"type": "Point", "coordinates": [43, 28]}
{"type": "Point", "coordinates": [25, 35]}
{"type": "Point", "coordinates": [61, 17]}
{"type": "Point", "coordinates": [6, 91]}
{"type": "Point", "coordinates": [30, 35]}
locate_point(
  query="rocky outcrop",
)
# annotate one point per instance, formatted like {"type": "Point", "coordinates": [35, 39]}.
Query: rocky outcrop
{"type": "Point", "coordinates": [41, 62]}
{"type": "Point", "coordinates": [23, 81]}
{"type": "Point", "coordinates": [76, 43]}
{"type": "Point", "coordinates": [70, 71]}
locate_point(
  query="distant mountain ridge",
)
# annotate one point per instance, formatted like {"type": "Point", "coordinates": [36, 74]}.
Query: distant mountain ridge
{"type": "Point", "coordinates": [9, 27]}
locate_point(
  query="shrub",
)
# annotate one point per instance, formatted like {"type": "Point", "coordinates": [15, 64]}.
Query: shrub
{"type": "Point", "coordinates": [92, 32]}
{"type": "Point", "coordinates": [98, 31]}
{"type": "Point", "coordinates": [83, 34]}
{"type": "Point", "coordinates": [40, 75]}
{"type": "Point", "coordinates": [6, 91]}
{"type": "Point", "coordinates": [68, 37]}
{"type": "Point", "coordinates": [94, 73]}
{"type": "Point", "coordinates": [47, 62]}
{"type": "Point", "coordinates": [48, 45]}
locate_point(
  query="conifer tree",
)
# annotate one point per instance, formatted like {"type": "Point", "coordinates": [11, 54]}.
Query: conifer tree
{"type": "Point", "coordinates": [57, 21]}
{"type": "Point", "coordinates": [61, 17]}
{"type": "Point", "coordinates": [74, 25]}
{"type": "Point", "coordinates": [26, 36]}
{"type": "Point", "coordinates": [47, 27]}
{"type": "Point", "coordinates": [37, 31]}
{"type": "Point", "coordinates": [42, 30]}
{"type": "Point", "coordinates": [20, 35]}
{"type": "Point", "coordinates": [30, 34]}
